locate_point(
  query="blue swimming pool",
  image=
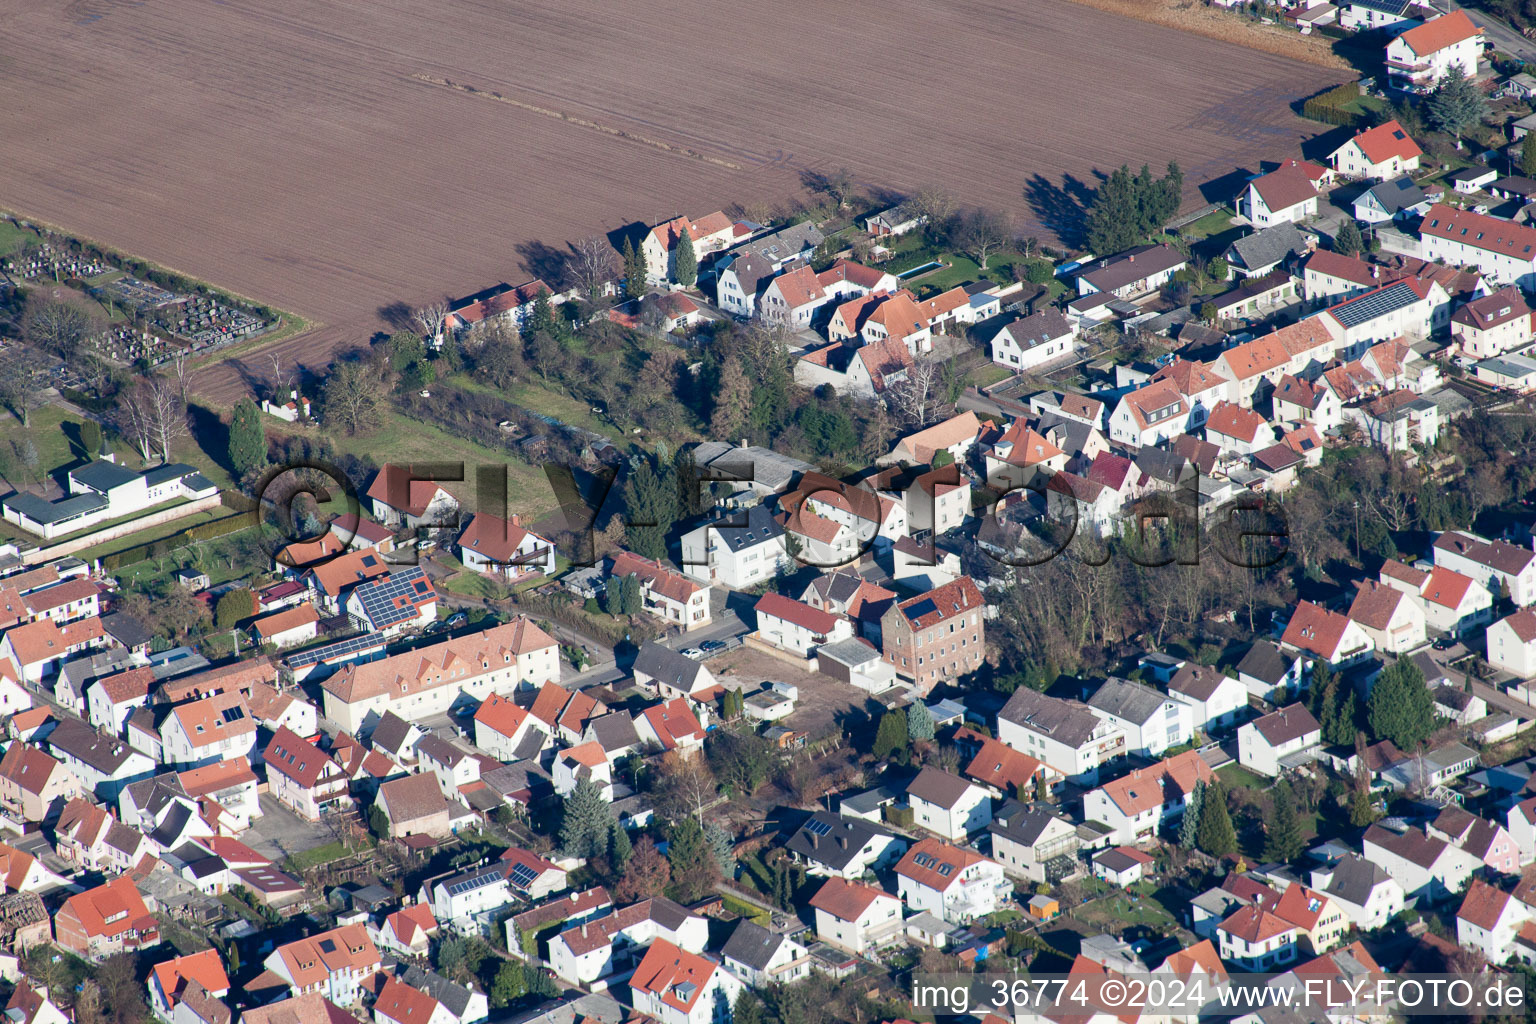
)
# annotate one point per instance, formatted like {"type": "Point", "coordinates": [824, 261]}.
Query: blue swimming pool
{"type": "Point", "coordinates": [933, 265]}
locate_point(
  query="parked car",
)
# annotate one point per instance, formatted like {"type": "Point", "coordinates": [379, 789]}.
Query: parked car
{"type": "Point", "coordinates": [693, 652]}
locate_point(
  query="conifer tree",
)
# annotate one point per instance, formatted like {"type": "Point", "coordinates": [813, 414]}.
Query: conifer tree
{"type": "Point", "coordinates": [919, 722]}
{"type": "Point", "coordinates": [1348, 241]}
{"type": "Point", "coordinates": [1216, 836]}
{"type": "Point", "coordinates": [584, 821]}
{"type": "Point", "coordinates": [686, 267]}
{"type": "Point", "coordinates": [1189, 828]}
{"type": "Point", "coordinates": [1284, 841]}
{"type": "Point", "coordinates": [891, 736]}
{"type": "Point", "coordinates": [634, 271]}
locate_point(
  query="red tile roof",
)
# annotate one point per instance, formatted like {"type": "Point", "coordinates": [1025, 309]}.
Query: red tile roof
{"type": "Point", "coordinates": [1491, 234]}
{"type": "Point", "coordinates": [846, 900]}
{"type": "Point", "coordinates": [1315, 629]}
{"type": "Point", "coordinates": [1438, 33]}
{"type": "Point", "coordinates": [797, 613]}
{"type": "Point", "coordinates": [1170, 779]}
{"type": "Point", "coordinates": [936, 864]}
{"type": "Point", "coordinates": [1386, 141]}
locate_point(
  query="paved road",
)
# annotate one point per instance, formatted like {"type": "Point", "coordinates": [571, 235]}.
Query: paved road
{"type": "Point", "coordinates": [1504, 38]}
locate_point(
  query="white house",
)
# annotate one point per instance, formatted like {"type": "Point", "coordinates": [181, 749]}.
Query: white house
{"type": "Point", "coordinates": [1150, 721]}
{"type": "Point", "coordinates": [1035, 842]}
{"type": "Point", "coordinates": [504, 547]}
{"type": "Point", "coordinates": [1498, 565]}
{"type": "Point", "coordinates": [950, 882]}
{"type": "Point", "coordinates": [738, 550]}
{"type": "Point", "coordinates": [797, 627]}
{"type": "Point", "coordinates": [1335, 638]}
{"type": "Point", "coordinates": [1149, 415]}
{"type": "Point", "coordinates": [1034, 340]}
{"type": "Point", "coordinates": [336, 963]}
{"type": "Point", "coordinates": [1493, 324]}
{"type": "Point", "coordinates": [585, 952]}
{"type": "Point", "coordinates": [1362, 889]}
{"type": "Point", "coordinates": [1424, 866]}
{"type": "Point", "coordinates": [836, 845]}
{"type": "Point", "coordinates": [948, 805]}
{"type": "Point", "coordinates": [1512, 643]}
{"type": "Point", "coordinates": [1216, 700]}
{"type": "Point", "coordinates": [399, 498]}
{"type": "Point", "coordinates": [1138, 805]}
{"type": "Point", "coordinates": [675, 986]}
{"type": "Point", "coordinates": [855, 917]}
{"type": "Point", "coordinates": [1288, 193]}
{"type": "Point", "coordinates": [1503, 251]}
{"type": "Point", "coordinates": [757, 956]}
{"type": "Point", "coordinates": [1419, 58]}
{"type": "Point", "coordinates": [1238, 431]}
{"type": "Point", "coordinates": [1066, 735]}
{"type": "Point", "coordinates": [1393, 620]}
{"type": "Point", "coordinates": [1377, 154]}
{"type": "Point", "coordinates": [1266, 744]}
{"type": "Point", "coordinates": [1489, 921]}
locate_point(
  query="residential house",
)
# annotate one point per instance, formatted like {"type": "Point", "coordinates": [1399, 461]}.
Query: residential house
{"type": "Point", "coordinates": [739, 550]}
{"type": "Point", "coordinates": [1066, 735]}
{"type": "Point", "coordinates": [1490, 921]}
{"type": "Point", "coordinates": [793, 297]}
{"type": "Point", "coordinates": [999, 769]}
{"type": "Point", "coordinates": [585, 761]}
{"type": "Point", "coordinates": [669, 673]}
{"type": "Point", "coordinates": [757, 956]}
{"type": "Point", "coordinates": [1393, 620]}
{"type": "Point", "coordinates": [1392, 200]}
{"type": "Point", "coordinates": [504, 547]}
{"type": "Point", "coordinates": [1288, 193]}
{"type": "Point", "coordinates": [675, 986]}
{"type": "Point", "coordinates": [1492, 325]}
{"type": "Point", "coordinates": [665, 593]}
{"type": "Point", "coordinates": [1238, 431]}
{"type": "Point", "coordinates": [1336, 639]}
{"type": "Point", "coordinates": [501, 301]}
{"type": "Point", "coordinates": [796, 627]}
{"type": "Point", "coordinates": [1511, 645]}
{"type": "Point", "coordinates": [399, 498]}
{"type": "Point", "coordinates": [408, 931]}
{"type": "Point", "coordinates": [1034, 340]}
{"type": "Point", "coordinates": [1423, 865]}
{"type": "Point", "coordinates": [430, 679]}
{"type": "Point", "coordinates": [1131, 274]}
{"type": "Point", "coordinates": [1362, 889]}
{"type": "Point", "coordinates": [1081, 503]}
{"type": "Point", "coordinates": [1300, 401]}
{"type": "Point", "coordinates": [34, 788]}
{"type": "Point", "coordinates": [1257, 939]}
{"type": "Point", "coordinates": [1486, 840]}
{"type": "Point", "coordinates": [214, 728]}
{"type": "Point", "coordinates": [611, 943]}
{"type": "Point", "coordinates": [937, 635]}
{"type": "Point", "coordinates": [951, 882]}
{"type": "Point", "coordinates": [1150, 415]}
{"type": "Point", "coordinates": [1279, 740]}
{"type": "Point", "coordinates": [837, 846]}
{"type": "Point", "coordinates": [108, 919]}
{"type": "Point", "coordinates": [304, 779]}
{"type": "Point", "coordinates": [467, 901]}
{"type": "Point", "coordinates": [1498, 565]}
{"type": "Point", "coordinates": [1035, 842]}
{"type": "Point", "coordinates": [170, 979]}
{"type": "Point", "coordinates": [1121, 866]}
{"type": "Point", "coordinates": [707, 234]}
{"type": "Point", "coordinates": [1377, 154]}
{"type": "Point", "coordinates": [1503, 251]}
{"type": "Point", "coordinates": [1150, 721]}
{"type": "Point", "coordinates": [289, 627]}
{"type": "Point", "coordinates": [1217, 701]}
{"type": "Point", "coordinates": [1138, 805]}
{"type": "Point", "coordinates": [955, 435]}
{"type": "Point", "coordinates": [1420, 57]}
{"type": "Point", "coordinates": [337, 964]}
{"type": "Point", "coordinates": [673, 725]}
{"type": "Point", "coordinates": [856, 918]}
{"type": "Point", "coordinates": [1364, 15]}
{"type": "Point", "coordinates": [948, 805]}
{"type": "Point", "coordinates": [1261, 253]}
{"type": "Point", "coordinates": [399, 1003]}
{"type": "Point", "coordinates": [37, 649]}
{"type": "Point", "coordinates": [1201, 387]}
{"type": "Point", "coordinates": [414, 805]}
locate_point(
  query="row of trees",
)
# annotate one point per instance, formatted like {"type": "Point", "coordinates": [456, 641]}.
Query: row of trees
{"type": "Point", "coordinates": [1130, 208]}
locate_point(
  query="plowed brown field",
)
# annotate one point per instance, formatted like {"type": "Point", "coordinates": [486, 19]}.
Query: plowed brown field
{"type": "Point", "coordinates": [290, 150]}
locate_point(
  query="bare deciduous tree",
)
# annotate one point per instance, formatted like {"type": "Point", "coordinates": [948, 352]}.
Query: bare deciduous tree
{"type": "Point", "coordinates": [164, 414]}
{"type": "Point", "coordinates": [837, 184]}
{"type": "Point", "coordinates": [180, 361]}
{"type": "Point", "coordinates": [980, 233]}
{"type": "Point", "coordinates": [934, 203]}
{"type": "Point", "coordinates": [136, 419]}
{"type": "Point", "coordinates": [918, 398]}
{"type": "Point", "coordinates": [57, 325]}
{"type": "Point", "coordinates": [429, 318]}
{"type": "Point", "coordinates": [354, 395]}
{"type": "Point", "coordinates": [593, 262]}
{"type": "Point", "coordinates": [282, 379]}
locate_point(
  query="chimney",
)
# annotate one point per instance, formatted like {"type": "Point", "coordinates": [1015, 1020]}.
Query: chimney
{"type": "Point", "coordinates": [744, 443]}
{"type": "Point", "coordinates": [1376, 273]}
{"type": "Point", "coordinates": [815, 841]}
{"type": "Point", "coordinates": [842, 842]}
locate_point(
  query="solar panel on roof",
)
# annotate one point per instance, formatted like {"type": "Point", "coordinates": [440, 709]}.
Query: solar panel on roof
{"type": "Point", "coordinates": [819, 828]}
{"type": "Point", "coordinates": [233, 714]}
{"type": "Point", "coordinates": [1368, 307]}
{"type": "Point", "coordinates": [387, 601]}
{"type": "Point", "coordinates": [523, 876]}
{"type": "Point", "coordinates": [327, 946]}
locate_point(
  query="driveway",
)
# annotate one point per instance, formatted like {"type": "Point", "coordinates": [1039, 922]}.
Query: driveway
{"type": "Point", "coordinates": [279, 832]}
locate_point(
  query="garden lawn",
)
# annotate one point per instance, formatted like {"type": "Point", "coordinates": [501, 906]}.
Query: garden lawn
{"type": "Point", "coordinates": [1234, 774]}
{"type": "Point", "coordinates": [13, 237]}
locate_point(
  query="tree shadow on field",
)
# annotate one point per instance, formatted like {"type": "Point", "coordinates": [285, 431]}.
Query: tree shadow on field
{"type": "Point", "coordinates": [633, 232]}
{"type": "Point", "coordinates": [546, 262]}
{"type": "Point", "coordinates": [1226, 187]}
{"type": "Point", "coordinates": [212, 435]}
{"type": "Point", "coordinates": [883, 198]}
{"type": "Point", "coordinates": [1060, 208]}
{"type": "Point", "coordinates": [397, 315]}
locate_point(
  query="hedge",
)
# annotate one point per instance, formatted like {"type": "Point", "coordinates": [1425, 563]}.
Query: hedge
{"type": "Point", "coordinates": [165, 545]}
{"type": "Point", "coordinates": [1332, 106]}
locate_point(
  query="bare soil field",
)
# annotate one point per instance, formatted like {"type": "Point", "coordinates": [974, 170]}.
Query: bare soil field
{"type": "Point", "coordinates": [299, 152]}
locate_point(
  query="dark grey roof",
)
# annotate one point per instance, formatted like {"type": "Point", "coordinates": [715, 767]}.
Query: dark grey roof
{"type": "Point", "coordinates": [172, 471]}
{"type": "Point", "coordinates": [532, 742]}
{"type": "Point", "coordinates": [40, 510]}
{"type": "Point", "coordinates": [455, 997]}
{"type": "Point", "coordinates": [123, 838]}
{"type": "Point", "coordinates": [668, 666]}
{"type": "Point", "coordinates": [1065, 721]}
{"type": "Point", "coordinates": [1023, 825]}
{"type": "Point", "coordinates": [752, 272]}
{"type": "Point", "coordinates": [1396, 195]}
{"type": "Point", "coordinates": [1038, 328]}
{"type": "Point", "coordinates": [1162, 465]}
{"type": "Point", "coordinates": [1115, 860]}
{"type": "Point", "coordinates": [852, 651]}
{"type": "Point", "coordinates": [390, 732]}
{"type": "Point", "coordinates": [1353, 879]}
{"type": "Point", "coordinates": [749, 529]}
{"type": "Point", "coordinates": [1384, 6]}
{"type": "Point", "coordinates": [832, 839]}
{"type": "Point", "coordinates": [1131, 266]}
{"type": "Point", "coordinates": [1265, 662]}
{"type": "Point", "coordinates": [836, 586]}
{"type": "Point", "coordinates": [517, 777]}
{"type": "Point", "coordinates": [103, 753]}
{"type": "Point", "coordinates": [102, 475]}
{"type": "Point", "coordinates": [936, 786]}
{"type": "Point", "coordinates": [171, 826]}
{"type": "Point", "coordinates": [440, 750]}
{"type": "Point", "coordinates": [1266, 248]}
{"type": "Point", "coordinates": [126, 629]}
{"type": "Point", "coordinates": [615, 731]}
{"type": "Point", "coordinates": [668, 914]}
{"type": "Point", "coordinates": [785, 242]}
{"type": "Point", "coordinates": [751, 944]}
{"type": "Point", "coordinates": [1132, 702]}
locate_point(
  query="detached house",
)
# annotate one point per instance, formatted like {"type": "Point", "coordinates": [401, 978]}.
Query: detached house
{"type": "Point", "coordinates": [1034, 842]}
{"type": "Point", "coordinates": [337, 964]}
{"type": "Point", "coordinates": [738, 550]}
{"type": "Point", "coordinates": [502, 547]}
{"type": "Point", "coordinates": [609, 944]}
{"type": "Point", "coordinates": [1368, 896]}
{"type": "Point", "coordinates": [399, 499]}
{"type": "Point", "coordinates": [1131, 274]}
{"type": "Point", "coordinates": [856, 918]}
{"type": "Point", "coordinates": [1392, 620]}
{"type": "Point", "coordinates": [708, 234]}
{"type": "Point", "coordinates": [672, 725]}
{"type": "Point", "coordinates": [1066, 735]}
{"type": "Point", "coordinates": [1149, 415]}
{"type": "Point", "coordinates": [1493, 324]}
{"type": "Point", "coordinates": [1238, 431]}
{"type": "Point", "coordinates": [1150, 721]}
{"type": "Point", "coordinates": [1334, 638]}
{"type": "Point", "coordinates": [665, 593]}
{"type": "Point", "coordinates": [1288, 193]}
{"type": "Point", "coordinates": [759, 957]}
{"type": "Point", "coordinates": [1419, 58]}
{"type": "Point", "coordinates": [506, 731]}
{"type": "Point", "coordinates": [1034, 340]}
{"type": "Point", "coordinates": [675, 986]}
{"type": "Point", "coordinates": [837, 846]}
{"type": "Point", "coordinates": [1139, 805]}
{"type": "Point", "coordinates": [796, 627]}
{"type": "Point", "coordinates": [302, 778]}
{"type": "Point", "coordinates": [1279, 740]}
{"type": "Point", "coordinates": [948, 805]}
{"type": "Point", "coordinates": [1377, 154]}
{"type": "Point", "coordinates": [1511, 644]}
{"type": "Point", "coordinates": [950, 882]}
{"type": "Point", "coordinates": [1216, 700]}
